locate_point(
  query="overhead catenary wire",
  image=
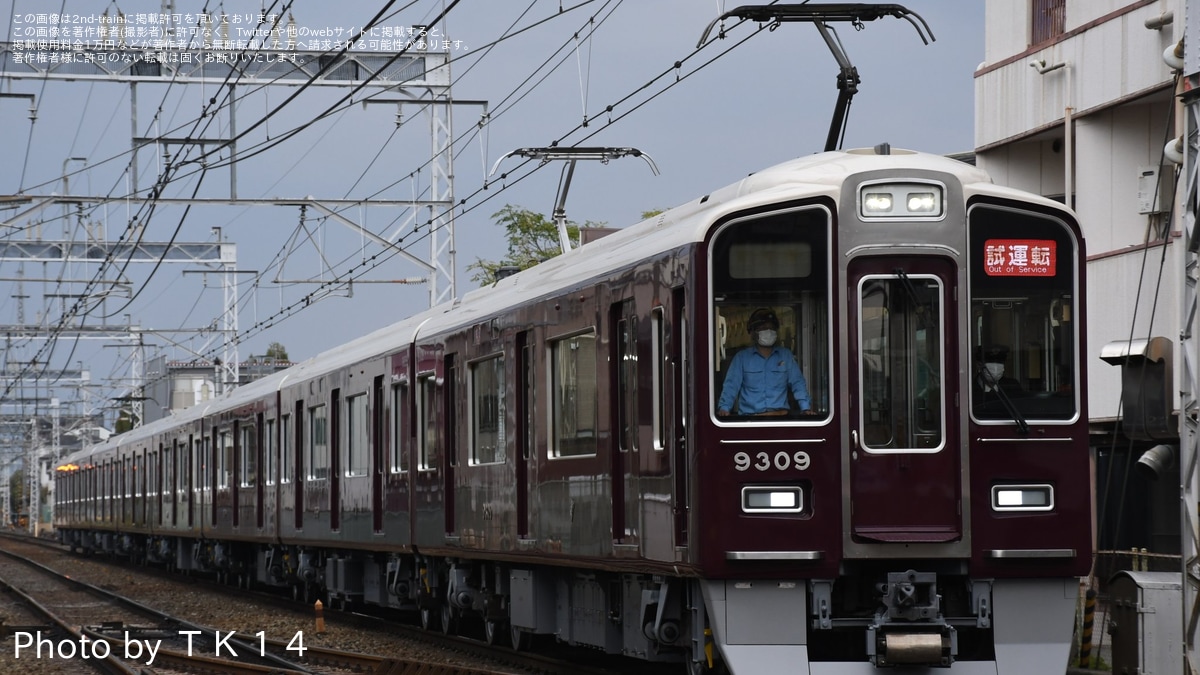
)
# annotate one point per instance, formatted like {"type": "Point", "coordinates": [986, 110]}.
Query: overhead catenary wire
{"type": "Point", "coordinates": [417, 236]}
{"type": "Point", "coordinates": [1149, 239]}
{"type": "Point", "coordinates": [404, 242]}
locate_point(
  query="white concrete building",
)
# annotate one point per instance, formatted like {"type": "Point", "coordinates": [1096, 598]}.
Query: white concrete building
{"type": "Point", "coordinates": [1075, 101]}
{"type": "Point", "coordinates": [1087, 77]}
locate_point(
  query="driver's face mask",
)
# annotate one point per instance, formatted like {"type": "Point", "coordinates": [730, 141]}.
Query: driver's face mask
{"type": "Point", "coordinates": [995, 371]}
{"type": "Point", "coordinates": [767, 337]}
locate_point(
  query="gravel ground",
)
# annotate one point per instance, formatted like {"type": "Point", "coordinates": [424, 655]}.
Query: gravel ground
{"type": "Point", "coordinates": [221, 611]}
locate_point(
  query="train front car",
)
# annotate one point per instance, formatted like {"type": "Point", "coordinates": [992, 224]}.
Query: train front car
{"type": "Point", "coordinates": [891, 441]}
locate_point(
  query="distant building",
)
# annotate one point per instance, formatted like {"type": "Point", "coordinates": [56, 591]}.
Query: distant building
{"type": "Point", "coordinates": [172, 386]}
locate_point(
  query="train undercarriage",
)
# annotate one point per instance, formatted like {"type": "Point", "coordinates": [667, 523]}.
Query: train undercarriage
{"type": "Point", "coordinates": [880, 617]}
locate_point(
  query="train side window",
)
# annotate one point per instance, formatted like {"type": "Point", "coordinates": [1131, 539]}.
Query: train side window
{"type": "Point", "coordinates": [487, 411]}
{"type": "Point", "coordinates": [224, 458]}
{"type": "Point", "coordinates": [573, 396]}
{"type": "Point", "coordinates": [318, 443]}
{"type": "Point", "coordinates": [427, 457]}
{"type": "Point", "coordinates": [658, 376]}
{"type": "Point", "coordinates": [1024, 340]}
{"type": "Point", "coordinates": [627, 379]}
{"type": "Point", "coordinates": [248, 451]}
{"type": "Point", "coordinates": [168, 468]}
{"type": "Point", "coordinates": [204, 463]}
{"type": "Point", "coordinates": [778, 262]}
{"type": "Point", "coordinates": [286, 449]}
{"type": "Point", "coordinates": [356, 455]}
{"type": "Point", "coordinates": [399, 396]}
{"type": "Point", "coordinates": [271, 447]}
{"type": "Point", "coordinates": [182, 469]}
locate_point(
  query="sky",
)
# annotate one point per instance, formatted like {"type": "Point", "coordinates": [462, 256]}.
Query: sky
{"type": "Point", "coordinates": [706, 117]}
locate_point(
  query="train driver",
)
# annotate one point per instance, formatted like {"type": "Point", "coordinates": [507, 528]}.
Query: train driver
{"type": "Point", "coordinates": [990, 377]}
{"type": "Point", "coordinates": [760, 376]}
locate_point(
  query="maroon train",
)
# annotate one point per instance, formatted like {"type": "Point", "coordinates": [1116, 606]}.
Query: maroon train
{"type": "Point", "coordinates": [544, 454]}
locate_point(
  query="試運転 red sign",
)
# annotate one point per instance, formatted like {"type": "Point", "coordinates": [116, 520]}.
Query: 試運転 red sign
{"type": "Point", "coordinates": [1020, 257]}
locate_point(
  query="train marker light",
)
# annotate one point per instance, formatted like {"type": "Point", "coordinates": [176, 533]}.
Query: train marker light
{"type": "Point", "coordinates": [772, 499]}
{"type": "Point", "coordinates": [900, 200]}
{"type": "Point", "coordinates": [1022, 497]}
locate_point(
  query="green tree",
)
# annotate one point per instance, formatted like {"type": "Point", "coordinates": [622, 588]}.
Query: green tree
{"type": "Point", "coordinates": [532, 238]}
{"type": "Point", "coordinates": [124, 419]}
{"type": "Point", "coordinates": [16, 492]}
{"type": "Point", "coordinates": [277, 351]}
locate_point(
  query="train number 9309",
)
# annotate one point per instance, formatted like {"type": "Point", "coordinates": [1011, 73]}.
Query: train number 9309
{"type": "Point", "coordinates": [764, 461]}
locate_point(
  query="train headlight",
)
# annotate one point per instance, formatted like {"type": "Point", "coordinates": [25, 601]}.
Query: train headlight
{"type": "Point", "coordinates": [900, 200]}
{"type": "Point", "coordinates": [1022, 497]}
{"type": "Point", "coordinates": [922, 202]}
{"type": "Point", "coordinates": [877, 203]}
{"type": "Point", "coordinates": [772, 499]}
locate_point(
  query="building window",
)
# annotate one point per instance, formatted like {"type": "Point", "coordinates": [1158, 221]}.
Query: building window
{"type": "Point", "coordinates": [573, 382]}
{"type": "Point", "coordinates": [487, 411]}
{"type": "Point", "coordinates": [1049, 17]}
{"type": "Point", "coordinates": [356, 453]}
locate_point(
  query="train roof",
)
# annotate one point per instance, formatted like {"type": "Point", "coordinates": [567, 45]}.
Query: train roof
{"type": "Point", "coordinates": [821, 174]}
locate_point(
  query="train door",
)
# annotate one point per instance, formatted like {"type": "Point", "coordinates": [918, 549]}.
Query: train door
{"type": "Point", "coordinates": [234, 467]}
{"type": "Point", "coordinates": [905, 478]}
{"type": "Point", "coordinates": [679, 377]}
{"type": "Point", "coordinates": [191, 482]}
{"type": "Point", "coordinates": [166, 483]}
{"type": "Point", "coordinates": [450, 405]}
{"type": "Point", "coordinates": [623, 393]}
{"type": "Point", "coordinates": [335, 460]}
{"type": "Point", "coordinates": [426, 499]}
{"type": "Point", "coordinates": [526, 402]}
{"type": "Point", "coordinates": [378, 454]}
{"type": "Point", "coordinates": [259, 482]}
{"type": "Point", "coordinates": [300, 469]}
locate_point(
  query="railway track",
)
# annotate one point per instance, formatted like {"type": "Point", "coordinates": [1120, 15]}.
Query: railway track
{"type": "Point", "coordinates": [211, 648]}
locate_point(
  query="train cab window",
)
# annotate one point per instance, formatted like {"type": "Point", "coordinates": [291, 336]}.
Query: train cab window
{"type": "Point", "coordinates": [427, 449]}
{"type": "Point", "coordinates": [318, 443]}
{"type": "Point", "coordinates": [573, 391]}
{"type": "Point", "coordinates": [1023, 343]}
{"type": "Point", "coordinates": [356, 453]}
{"type": "Point", "coordinates": [248, 456]}
{"type": "Point", "coordinates": [487, 411]}
{"type": "Point", "coordinates": [900, 334]}
{"type": "Point", "coordinates": [399, 396]}
{"type": "Point", "coordinates": [774, 269]}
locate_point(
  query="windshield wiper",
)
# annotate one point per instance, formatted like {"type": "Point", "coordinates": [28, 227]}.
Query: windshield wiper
{"type": "Point", "coordinates": [1006, 401]}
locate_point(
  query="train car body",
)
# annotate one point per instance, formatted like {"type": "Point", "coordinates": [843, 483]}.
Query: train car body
{"type": "Point", "coordinates": [550, 455]}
